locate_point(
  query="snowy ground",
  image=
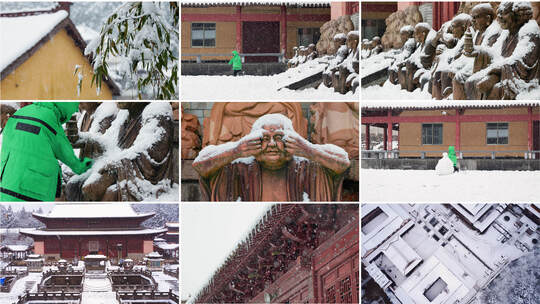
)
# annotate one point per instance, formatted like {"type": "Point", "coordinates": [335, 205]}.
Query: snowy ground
{"type": "Point", "coordinates": [375, 63]}
{"type": "Point", "coordinates": [393, 92]}
{"type": "Point", "coordinates": [165, 282]}
{"type": "Point", "coordinates": [469, 186]}
{"type": "Point", "coordinates": [28, 282]}
{"type": "Point", "coordinates": [210, 234]}
{"type": "Point", "coordinates": [249, 87]}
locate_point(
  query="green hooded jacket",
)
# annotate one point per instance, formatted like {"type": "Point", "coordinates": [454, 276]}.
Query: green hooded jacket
{"type": "Point", "coordinates": [33, 142]}
{"type": "Point", "coordinates": [236, 61]}
{"type": "Point", "coordinates": [452, 155]}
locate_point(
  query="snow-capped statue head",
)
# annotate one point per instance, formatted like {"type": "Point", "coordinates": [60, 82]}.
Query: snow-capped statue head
{"type": "Point", "coordinates": [512, 15]}
{"type": "Point", "coordinates": [273, 129]}
{"type": "Point", "coordinates": [482, 16]}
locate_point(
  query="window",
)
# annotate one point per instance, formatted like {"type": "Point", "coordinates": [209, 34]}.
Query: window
{"type": "Point", "coordinates": [432, 134]}
{"type": "Point", "coordinates": [203, 34]}
{"type": "Point", "coordinates": [306, 36]}
{"type": "Point", "coordinates": [331, 295]}
{"type": "Point", "coordinates": [373, 27]}
{"type": "Point", "coordinates": [345, 290]}
{"type": "Point", "coordinates": [497, 133]}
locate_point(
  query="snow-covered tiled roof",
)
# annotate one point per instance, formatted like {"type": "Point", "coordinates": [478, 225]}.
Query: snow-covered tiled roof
{"type": "Point", "coordinates": [172, 225]}
{"type": "Point", "coordinates": [20, 34]}
{"type": "Point", "coordinates": [18, 247]}
{"type": "Point", "coordinates": [307, 3]}
{"type": "Point", "coordinates": [445, 104]}
{"type": "Point", "coordinates": [165, 246]}
{"type": "Point", "coordinates": [33, 231]}
{"type": "Point", "coordinates": [93, 210]}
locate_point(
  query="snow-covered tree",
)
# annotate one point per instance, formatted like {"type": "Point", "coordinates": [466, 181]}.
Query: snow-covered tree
{"type": "Point", "coordinates": [142, 39]}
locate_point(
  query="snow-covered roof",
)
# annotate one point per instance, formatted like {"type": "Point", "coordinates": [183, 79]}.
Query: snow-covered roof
{"type": "Point", "coordinates": [173, 225]}
{"type": "Point", "coordinates": [154, 254]}
{"type": "Point", "coordinates": [33, 231]}
{"type": "Point", "coordinates": [95, 256]}
{"type": "Point", "coordinates": [23, 33]}
{"type": "Point", "coordinates": [17, 247]}
{"type": "Point", "coordinates": [93, 210]}
{"type": "Point", "coordinates": [20, 34]}
{"type": "Point", "coordinates": [306, 3]}
{"type": "Point", "coordinates": [445, 104]}
{"type": "Point", "coordinates": [165, 246]}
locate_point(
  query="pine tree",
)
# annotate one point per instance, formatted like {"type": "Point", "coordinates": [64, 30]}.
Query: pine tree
{"type": "Point", "coordinates": [145, 35]}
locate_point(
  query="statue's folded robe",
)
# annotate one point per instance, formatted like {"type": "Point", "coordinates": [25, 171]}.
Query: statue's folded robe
{"type": "Point", "coordinates": [244, 181]}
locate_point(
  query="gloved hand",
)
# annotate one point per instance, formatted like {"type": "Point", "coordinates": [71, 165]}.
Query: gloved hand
{"type": "Point", "coordinates": [84, 165]}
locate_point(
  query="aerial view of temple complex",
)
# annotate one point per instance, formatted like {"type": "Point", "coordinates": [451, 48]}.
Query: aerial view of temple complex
{"type": "Point", "coordinates": [451, 253]}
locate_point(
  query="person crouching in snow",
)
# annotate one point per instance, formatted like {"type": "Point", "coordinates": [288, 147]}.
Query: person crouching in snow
{"type": "Point", "coordinates": [453, 158]}
{"type": "Point", "coordinates": [236, 62]}
{"type": "Point", "coordinates": [32, 144]}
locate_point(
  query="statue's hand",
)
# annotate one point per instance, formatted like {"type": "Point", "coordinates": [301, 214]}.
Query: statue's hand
{"type": "Point", "coordinates": [296, 145]}
{"type": "Point", "coordinates": [248, 147]}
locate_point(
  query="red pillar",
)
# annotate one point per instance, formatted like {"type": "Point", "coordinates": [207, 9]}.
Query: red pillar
{"type": "Point", "coordinates": [283, 29]}
{"type": "Point", "coordinates": [239, 29]}
{"type": "Point", "coordinates": [442, 12]}
{"type": "Point", "coordinates": [368, 139]}
{"type": "Point", "coordinates": [530, 129]}
{"type": "Point", "coordinates": [385, 139]}
{"type": "Point", "coordinates": [458, 130]}
{"type": "Point", "coordinates": [389, 130]}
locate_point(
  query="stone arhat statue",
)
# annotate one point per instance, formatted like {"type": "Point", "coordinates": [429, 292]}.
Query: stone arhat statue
{"type": "Point", "coordinates": [272, 163]}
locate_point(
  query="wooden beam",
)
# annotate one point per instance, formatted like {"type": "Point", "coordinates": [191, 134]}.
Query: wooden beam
{"type": "Point", "coordinates": [253, 17]}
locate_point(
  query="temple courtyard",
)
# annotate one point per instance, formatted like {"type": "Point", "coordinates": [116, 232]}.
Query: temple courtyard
{"type": "Point", "coordinates": [248, 87]}
{"type": "Point", "coordinates": [427, 186]}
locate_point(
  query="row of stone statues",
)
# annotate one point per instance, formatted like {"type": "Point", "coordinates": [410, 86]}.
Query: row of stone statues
{"type": "Point", "coordinates": [343, 66]}
{"type": "Point", "coordinates": [371, 47]}
{"type": "Point", "coordinates": [302, 54]}
{"type": "Point", "coordinates": [489, 54]}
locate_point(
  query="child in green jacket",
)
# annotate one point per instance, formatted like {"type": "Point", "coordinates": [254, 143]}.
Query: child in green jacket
{"type": "Point", "coordinates": [236, 62]}
{"type": "Point", "coordinates": [33, 142]}
{"type": "Point", "coordinates": [453, 157]}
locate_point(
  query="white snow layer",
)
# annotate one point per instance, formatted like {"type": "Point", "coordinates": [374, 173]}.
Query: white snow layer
{"type": "Point", "coordinates": [19, 34]}
{"type": "Point", "coordinates": [466, 186]}
{"type": "Point", "coordinates": [260, 87]}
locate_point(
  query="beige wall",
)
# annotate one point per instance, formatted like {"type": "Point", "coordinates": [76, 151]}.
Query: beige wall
{"type": "Point", "coordinates": [226, 31]}
{"type": "Point", "coordinates": [48, 74]}
{"type": "Point", "coordinates": [225, 41]}
{"type": "Point", "coordinates": [473, 134]}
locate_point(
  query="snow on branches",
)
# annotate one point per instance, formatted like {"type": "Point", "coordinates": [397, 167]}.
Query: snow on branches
{"type": "Point", "coordinates": [143, 36]}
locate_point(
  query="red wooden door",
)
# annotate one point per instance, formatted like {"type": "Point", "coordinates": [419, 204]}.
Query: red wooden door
{"type": "Point", "coordinates": [260, 37]}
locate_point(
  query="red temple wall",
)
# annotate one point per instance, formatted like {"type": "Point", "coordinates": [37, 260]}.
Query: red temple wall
{"type": "Point", "coordinates": [336, 268]}
{"type": "Point", "coordinates": [70, 247]}
{"type": "Point", "coordinates": [334, 277]}
{"type": "Point", "coordinates": [92, 223]}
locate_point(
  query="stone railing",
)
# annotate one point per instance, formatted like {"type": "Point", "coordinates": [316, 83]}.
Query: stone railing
{"type": "Point", "coordinates": [143, 274]}
{"type": "Point", "coordinates": [136, 296]}
{"type": "Point", "coordinates": [49, 297]}
{"type": "Point", "coordinates": [73, 275]}
{"type": "Point", "coordinates": [11, 277]}
{"type": "Point", "coordinates": [173, 272]}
